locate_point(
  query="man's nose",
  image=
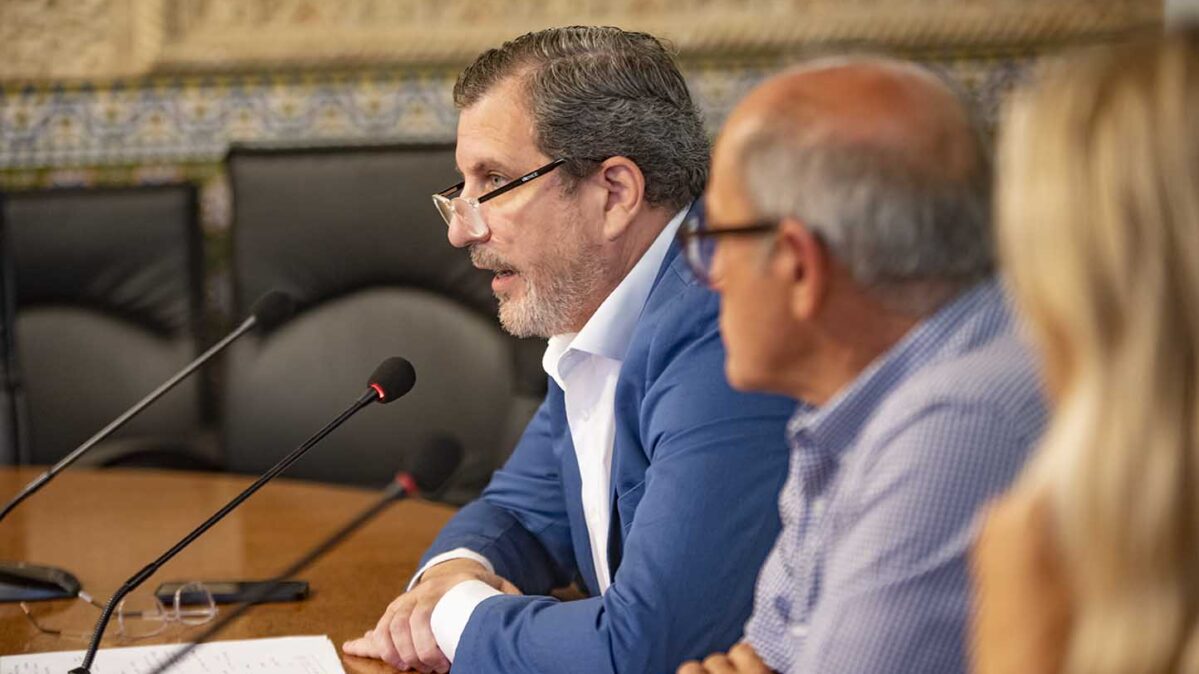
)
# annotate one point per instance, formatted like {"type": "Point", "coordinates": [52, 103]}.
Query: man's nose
{"type": "Point", "coordinates": [463, 233]}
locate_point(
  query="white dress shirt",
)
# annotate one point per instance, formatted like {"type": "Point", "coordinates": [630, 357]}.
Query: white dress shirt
{"type": "Point", "coordinates": [586, 366]}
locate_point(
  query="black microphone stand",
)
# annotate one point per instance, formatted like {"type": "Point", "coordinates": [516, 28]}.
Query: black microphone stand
{"type": "Point", "coordinates": [140, 577]}
{"type": "Point", "coordinates": [19, 580]}
{"type": "Point", "coordinates": [267, 312]}
{"type": "Point", "coordinates": [112, 427]}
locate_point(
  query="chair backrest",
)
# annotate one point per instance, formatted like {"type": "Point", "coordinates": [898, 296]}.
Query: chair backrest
{"type": "Point", "coordinates": [352, 234]}
{"type": "Point", "coordinates": [106, 293]}
{"type": "Point", "coordinates": [8, 356]}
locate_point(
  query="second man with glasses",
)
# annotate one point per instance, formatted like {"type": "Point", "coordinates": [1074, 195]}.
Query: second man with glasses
{"type": "Point", "coordinates": [849, 239]}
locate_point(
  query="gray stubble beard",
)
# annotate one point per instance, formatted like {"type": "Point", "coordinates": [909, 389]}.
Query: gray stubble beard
{"type": "Point", "coordinates": [553, 306]}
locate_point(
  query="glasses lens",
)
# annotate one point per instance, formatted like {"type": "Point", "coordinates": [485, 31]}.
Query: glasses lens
{"type": "Point", "coordinates": [141, 614]}
{"type": "Point", "coordinates": [700, 250]}
{"type": "Point", "coordinates": [444, 208]}
{"type": "Point", "coordinates": [706, 255]}
{"type": "Point", "coordinates": [194, 604]}
{"type": "Point", "coordinates": [468, 214]}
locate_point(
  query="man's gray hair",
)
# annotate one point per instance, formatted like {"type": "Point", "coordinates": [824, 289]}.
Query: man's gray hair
{"type": "Point", "coordinates": [893, 219]}
{"type": "Point", "coordinates": [599, 92]}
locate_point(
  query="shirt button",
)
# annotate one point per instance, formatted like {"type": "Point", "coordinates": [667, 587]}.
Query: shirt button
{"type": "Point", "coordinates": [782, 606]}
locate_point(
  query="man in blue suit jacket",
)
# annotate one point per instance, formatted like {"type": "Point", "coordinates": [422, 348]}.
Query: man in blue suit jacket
{"type": "Point", "coordinates": [643, 476]}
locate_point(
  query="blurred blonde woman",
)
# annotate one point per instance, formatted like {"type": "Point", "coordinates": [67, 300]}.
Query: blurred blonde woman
{"type": "Point", "coordinates": [1091, 563]}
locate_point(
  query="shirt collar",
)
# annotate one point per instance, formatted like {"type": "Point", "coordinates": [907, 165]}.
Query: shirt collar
{"type": "Point", "coordinates": [833, 426]}
{"type": "Point", "coordinates": [608, 332]}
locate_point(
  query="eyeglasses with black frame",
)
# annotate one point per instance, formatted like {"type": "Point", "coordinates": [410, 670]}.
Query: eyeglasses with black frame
{"type": "Point", "coordinates": [449, 201]}
{"type": "Point", "coordinates": [698, 242]}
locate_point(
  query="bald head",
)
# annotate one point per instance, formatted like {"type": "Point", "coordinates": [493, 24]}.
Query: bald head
{"type": "Point", "coordinates": [880, 157]}
{"type": "Point", "coordinates": [900, 109]}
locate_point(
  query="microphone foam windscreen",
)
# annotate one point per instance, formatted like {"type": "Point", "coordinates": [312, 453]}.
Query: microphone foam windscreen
{"type": "Point", "coordinates": [393, 378]}
{"type": "Point", "coordinates": [435, 462]}
{"type": "Point", "coordinates": [272, 309]}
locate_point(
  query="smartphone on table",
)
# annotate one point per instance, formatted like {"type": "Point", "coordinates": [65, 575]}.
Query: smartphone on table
{"type": "Point", "coordinates": [233, 591]}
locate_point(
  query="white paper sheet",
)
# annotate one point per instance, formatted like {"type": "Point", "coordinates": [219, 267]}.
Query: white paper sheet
{"type": "Point", "coordinates": [282, 655]}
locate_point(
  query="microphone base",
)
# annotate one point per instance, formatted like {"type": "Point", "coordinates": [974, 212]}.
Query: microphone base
{"type": "Point", "coordinates": [31, 582]}
{"type": "Point", "coordinates": [80, 670]}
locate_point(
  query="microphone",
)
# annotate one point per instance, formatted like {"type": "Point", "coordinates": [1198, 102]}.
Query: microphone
{"type": "Point", "coordinates": [29, 582]}
{"type": "Point", "coordinates": [268, 312]}
{"type": "Point", "coordinates": [391, 380]}
{"type": "Point", "coordinates": [432, 468]}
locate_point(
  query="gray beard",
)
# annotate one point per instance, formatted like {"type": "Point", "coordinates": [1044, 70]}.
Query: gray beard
{"type": "Point", "coordinates": [560, 290]}
{"type": "Point", "coordinates": [555, 304]}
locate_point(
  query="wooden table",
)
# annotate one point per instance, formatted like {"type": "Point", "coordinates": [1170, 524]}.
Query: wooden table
{"type": "Point", "coordinates": [104, 525]}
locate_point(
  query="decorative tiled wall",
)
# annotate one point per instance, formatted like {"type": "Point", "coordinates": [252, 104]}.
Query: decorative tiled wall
{"type": "Point", "coordinates": [174, 127]}
{"type": "Point", "coordinates": [151, 91]}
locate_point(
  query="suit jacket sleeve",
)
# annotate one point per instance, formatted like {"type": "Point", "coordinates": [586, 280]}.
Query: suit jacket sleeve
{"type": "Point", "coordinates": [519, 523]}
{"type": "Point", "coordinates": [706, 519]}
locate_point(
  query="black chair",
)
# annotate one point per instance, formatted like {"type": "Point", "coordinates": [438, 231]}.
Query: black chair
{"type": "Point", "coordinates": [105, 304]}
{"type": "Point", "coordinates": [352, 234]}
{"type": "Point", "coordinates": [8, 356]}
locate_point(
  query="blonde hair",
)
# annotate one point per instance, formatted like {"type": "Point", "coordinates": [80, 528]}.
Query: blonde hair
{"type": "Point", "coordinates": [1098, 220]}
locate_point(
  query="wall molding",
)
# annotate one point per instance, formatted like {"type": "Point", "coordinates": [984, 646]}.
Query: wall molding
{"type": "Point", "coordinates": [96, 40]}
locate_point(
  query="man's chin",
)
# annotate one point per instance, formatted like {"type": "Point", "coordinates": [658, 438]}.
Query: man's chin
{"type": "Point", "coordinates": [743, 378]}
{"type": "Point", "coordinates": [515, 320]}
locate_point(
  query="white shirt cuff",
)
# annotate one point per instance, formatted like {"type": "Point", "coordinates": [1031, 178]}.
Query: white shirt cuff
{"type": "Point", "coordinates": [456, 553]}
{"type": "Point", "coordinates": [453, 611]}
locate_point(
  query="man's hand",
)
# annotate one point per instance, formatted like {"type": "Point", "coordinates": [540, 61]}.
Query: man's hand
{"type": "Point", "coordinates": [403, 637]}
{"type": "Point", "coordinates": [743, 659]}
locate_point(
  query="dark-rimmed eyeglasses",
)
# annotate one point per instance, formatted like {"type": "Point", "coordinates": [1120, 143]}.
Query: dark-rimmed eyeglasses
{"type": "Point", "coordinates": [698, 242]}
{"type": "Point", "coordinates": [450, 203]}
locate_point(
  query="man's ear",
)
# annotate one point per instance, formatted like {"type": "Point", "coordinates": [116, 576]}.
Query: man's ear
{"type": "Point", "coordinates": [802, 261]}
{"type": "Point", "coordinates": [624, 186]}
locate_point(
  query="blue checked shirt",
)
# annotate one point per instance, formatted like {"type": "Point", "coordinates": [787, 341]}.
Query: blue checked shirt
{"type": "Point", "coordinates": [869, 573]}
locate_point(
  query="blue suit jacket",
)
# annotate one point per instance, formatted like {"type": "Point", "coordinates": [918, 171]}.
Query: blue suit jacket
{"type": "Point", "coordinates": [696, 471]}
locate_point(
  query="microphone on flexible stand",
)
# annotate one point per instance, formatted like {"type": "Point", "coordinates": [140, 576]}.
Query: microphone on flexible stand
{"type": "Point", "coordinates": [432, 467]}
{"type": "Point", "coordinates": [29, 582]}
{"type": "Point", "coordinates": [392, 379]}
{"type": "Point", "coordinates": [268, 312]}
